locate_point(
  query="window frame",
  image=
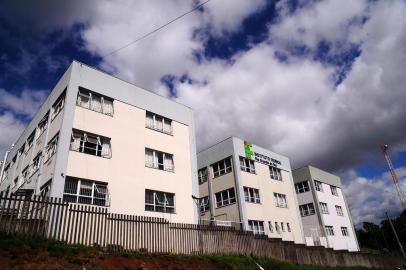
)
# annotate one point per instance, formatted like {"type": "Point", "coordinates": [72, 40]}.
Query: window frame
{"type": "Point", "coordinates": [345, 232]}
{"type": "Point", "coordinates": [252, 195]}
{"type": "Point", "coordinates": [167, 209]}
{"type": "Point", "coordinates": [324, 208]}
{"type": "Point", "coordinates": [98, 141]}
{"type": "Point", "coordinates": [222, 171]}
{"type": "Point", "coordinates": [318, 185]}
{"type": "Point", "coordinates": [278, 197]}
{"type": "Point", "coordinates": [275, 173]}
{"type": "Point", "coordinates": [58, 105]}
{"type": "Point", "coordinates": [329, 230]}
{"type": "Point", "coordinates": [307, 209]}
{"type": "Point", "coordinates": [154, 126]}
{"type": "Point", "coordinates": [90, 95]}
{"type": "Point", "coordinates": [256, 227]}
{"type": "Point", "coordinates": [79, 195]}
{"type": "Point", "coordinates": [229, 200]}
{"type": "Point", "coordinates": [247, 165]}
{"type": "Point", "coordinates": [302, 187]}
{"type": "Point", "coordinates": [339, 210]}
{"type": "Point", "coordinates": [334, 190]}
{"type": "Point", "coordinates": [202, 175]}
{"type": "Point", "coordinates": [159, 166]}
{"type": "Point", "coordinates": [204, 204]}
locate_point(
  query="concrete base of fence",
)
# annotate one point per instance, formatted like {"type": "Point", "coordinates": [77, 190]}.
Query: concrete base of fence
{"type": "Point", "coordinates": [90, 225]}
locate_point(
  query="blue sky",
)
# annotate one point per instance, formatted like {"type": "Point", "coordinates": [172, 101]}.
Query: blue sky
{"type": "Point", "coordinates": [319, 81]}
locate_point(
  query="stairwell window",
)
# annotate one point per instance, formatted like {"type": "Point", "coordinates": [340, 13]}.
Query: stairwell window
{"type": "Point", "coordinates": [302, 187]}
{"type": "Point", "coordinates": [85, 192]}
{"type": "Point", "coordinates": [344, 231]}
{"type": "Point", "coordinates": [225, 197]}
{"type": "Point", "coordinates": [270, 226]}
{"type": "Point", "coordinates": [36, 163]}
{"type": "Point", "coordinates": [51, 148]}
{"type": "Point", "coordinates": [95, 102]}
{"type": "Point", "coordinates": [159, 123]}
{"type": "Point", "coordinates": [339, 210]}
{"type": "Point", "coordinates": [282, 226]}
{"type": "Point", "coordinates": [324, 208]}
{"type": "Point", "coordinates": [334, 190]}
{"type": "Point", "coordinates": [307, 209]}
{"type": "Point", "coordinates": [318, 185]}
{"type": "Point", "coordinates": [43, 124]}
{"type": "Point", "coordinates": [30, 141]}
{"type": "Point", "coordinates": [275, 173]}
{"type": "Point", "coordinates": [159, 160]}
{"type": "Point", "coordinates": [91, 144]}
{"type": "Point", "coordinates": [288, 227]}
{"type": "Point", "coordinates": [58, 106]}
{"type": "Point", "coordinates": [251, 195]}
{"type": "Point", "coordinates": [202, 175]}
{"type": "Point", "coordinates": [158, 201]}
{"type": "Point", "coordinates": [204, 204]}
{"type": "Point", "coordinates": [280, 200]}
{"type": "Point", "coordinates": [247, 165]}
{"type": "Point", "coordinates": [277, 228]}
{"type": "Point", "coordinates": [329, 230]}
{"type": "Point", "coordinates": [256, 226]}
{"type": "Point", "coordinates": [222, 167]}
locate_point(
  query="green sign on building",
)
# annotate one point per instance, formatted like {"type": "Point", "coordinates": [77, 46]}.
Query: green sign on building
{"type": "Point", "coordinates": [248, 149]}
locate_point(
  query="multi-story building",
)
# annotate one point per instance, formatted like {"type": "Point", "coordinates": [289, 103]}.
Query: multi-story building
{"type": "Point", "coordinates": [102, 141]}
{"type": "Point", "coordinates": [325, 215]}
{"type": "Point", "coordinates": [242, 183]}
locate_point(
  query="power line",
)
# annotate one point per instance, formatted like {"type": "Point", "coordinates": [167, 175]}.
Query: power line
{"type": "Point", "coordinates": [156, 29]}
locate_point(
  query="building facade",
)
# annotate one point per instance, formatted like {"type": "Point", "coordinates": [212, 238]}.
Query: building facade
{"type": "Point", "coordinates": [99, 140]}
{"type": "Point", "coordinates": [325, 215]}
{"type": "Point", "coordinates": [241, 183]}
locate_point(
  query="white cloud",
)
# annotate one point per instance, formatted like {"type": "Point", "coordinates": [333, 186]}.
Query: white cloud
{"type": "Point", "coordinates": [25, 104]}
{"type": "Point", "coordinates": [10, 128]}
{"type": "Point", "coordinates": [369, 199]}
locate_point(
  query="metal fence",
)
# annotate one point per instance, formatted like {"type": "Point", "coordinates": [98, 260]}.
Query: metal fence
{"type": "Point", "coordinates": [95, 225]}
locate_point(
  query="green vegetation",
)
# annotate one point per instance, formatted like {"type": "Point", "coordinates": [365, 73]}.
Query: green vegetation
{"type": "Point", "coordinates": [23, 250]}
{"type": "Point", "coordinates": [380, 237]}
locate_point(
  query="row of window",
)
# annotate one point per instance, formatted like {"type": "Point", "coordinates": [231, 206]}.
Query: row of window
{"type": "Point", "coordinates": [303, 187]}
{"type": "Point", "coordinates": [257, 227]}
{"type": "Point", "coordinates": [97, 145]}
{"type": "Point", "coordinates": [330, 231]}
{"type": "Point", "coordinates": [83, 191]}
{"type": "Point", "coordinates": [224, 166]}
{"type": "Point", "coordinates": [105, 105]}
{"type": "Point", "coordinates": [308, 209]}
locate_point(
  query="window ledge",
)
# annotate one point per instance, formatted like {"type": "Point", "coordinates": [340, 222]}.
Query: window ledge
{"type": "Point", "coordinates": [89, 154]}
{"type": "Point", "coordinates": [217, 207]}
{"type": "Point", "coordinates": [222, 175]}
{"type": "Point", "coordinates": [111, 115]}
{"type": "Point", "coordinates": [151, 167]}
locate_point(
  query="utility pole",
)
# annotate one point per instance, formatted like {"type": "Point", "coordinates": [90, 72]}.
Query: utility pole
{"type": "Point", "coordinates": [396, 236]}
{"type": "Point", "coordinates": [401, 195]}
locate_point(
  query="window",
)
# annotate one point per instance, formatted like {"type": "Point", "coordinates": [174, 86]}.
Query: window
{"type": "Point", "coordinates": [58, 106]}
{"type": "Point", "coordinates": [275, 173]}
{"type": "Point", "coordinates": [256, 226]}
{"type": "Point", "coordinates": [158, 201]}
{"type": "Point", "coordinates": [344, 231]}
{"type": "Point", "coordinates": [222, 167]}
{"type": "Point", "coordinates": [324, 208]}
{"type": "Point", "coordinates": [45, 190]}
{"type": "Point", "coordinates": [330, 230]}
{"type": "Point", "coordinates": [339, 210]}
{"type": "Point", "coordinates": [158, 160]}
{"type": "Point", "coordinates": [280, 200]}
{"type": "Point", "coordinates": [202, 175]}
{"type": "Point", "coordinates": [30, 140]}
{"type": "Point", "coordinates": [277, 228]}
{"type": "Point", "coordinates": [247, 165]}
{"type": "Point", "coordinates": [307, 209]}
{"type": "Point", "coordinates": [282, 227]}
{"type": "Point", "coordinates": [225, 197]}
{"type": "Point", "coordinates": [204, 204]}
{"type": "Point", "coordinates": [43, 124]}
{"type": "Point", "coordinates": [95, 102]}
{"type": "Point", "coordinates": [85, 192]}
{"type": "Point", "coordinates": [90, 144]}
{"type": "Point", "coordinates": [318, 185]}
{"type": "Point", "coordinates": [251, 195]}
{"type": "Point", "coordinates": [36, 163]}
{"type": "Point", "coordinates": [302, 187]}
{"type": "Point", "coordinates": [270, 226]}
{"type": "Point", "coordinates": [334, 190]}
{"type": "Point", "coordinates": [51, 148]}
{"type": "Point", "coordinates": [25, 174]}
{"type": "Point", "coordinates": [288, 227]}
{"type": "Point", "coordinates": [159, 123]}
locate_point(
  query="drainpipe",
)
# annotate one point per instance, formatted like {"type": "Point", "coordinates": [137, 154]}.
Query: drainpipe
{"type": "Point", "coordinates": [4, 162]}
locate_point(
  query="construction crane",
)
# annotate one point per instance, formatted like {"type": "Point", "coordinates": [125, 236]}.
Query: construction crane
{"type": "Point", "coordinates": [402, 198]}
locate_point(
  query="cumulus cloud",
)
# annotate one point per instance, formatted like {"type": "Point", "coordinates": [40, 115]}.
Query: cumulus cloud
{"type": "Point", "coordinates": [25, 104]}
{"type": "Point", "coordinates": [10, 128]}
{"type": "Point", "coordinates": [370, 198]}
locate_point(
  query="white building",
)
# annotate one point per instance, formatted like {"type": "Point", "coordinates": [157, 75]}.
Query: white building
{"type": "Point", "coordinates": [242, 183]}
{"type": "Point", "coordinates": [102, 141]}
{"type": "Point", "coordinates": [325, 215]}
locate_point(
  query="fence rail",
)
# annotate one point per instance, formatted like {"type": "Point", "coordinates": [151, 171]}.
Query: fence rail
{"type": "Point", "coordinates": [95, 225]}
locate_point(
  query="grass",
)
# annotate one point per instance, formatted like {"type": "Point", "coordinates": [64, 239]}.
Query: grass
{"type": "Point", "coordinates": [14, 244]}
